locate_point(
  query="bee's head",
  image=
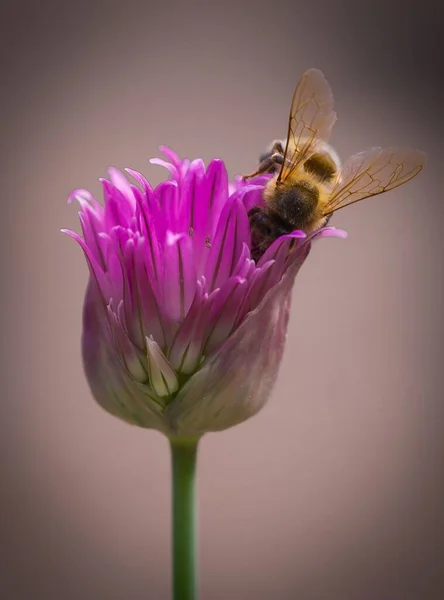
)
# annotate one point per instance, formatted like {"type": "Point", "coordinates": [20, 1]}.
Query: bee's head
{"type": "Point", "coordinates": [276, 147]}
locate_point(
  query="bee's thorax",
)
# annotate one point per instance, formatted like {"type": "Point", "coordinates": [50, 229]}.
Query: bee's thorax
{"type": "Point", "coordinates": [322, 166]}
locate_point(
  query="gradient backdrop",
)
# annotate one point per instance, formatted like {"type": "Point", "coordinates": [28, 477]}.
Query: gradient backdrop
{"type": "Point", "coordinates": [335, 490]}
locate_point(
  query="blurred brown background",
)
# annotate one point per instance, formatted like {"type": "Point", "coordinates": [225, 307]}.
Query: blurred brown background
{"type": "Point", "coordinates": [334, 491]}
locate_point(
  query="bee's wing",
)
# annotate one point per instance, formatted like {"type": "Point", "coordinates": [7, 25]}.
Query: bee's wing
{"type": "Point", "coordinates": [373, 172]}
{"type": "Point", "coordinates": [311, 118]}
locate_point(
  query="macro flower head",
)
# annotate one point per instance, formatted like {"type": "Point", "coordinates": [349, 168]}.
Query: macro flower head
{"type": "Point", "coordinates": [183, 331]}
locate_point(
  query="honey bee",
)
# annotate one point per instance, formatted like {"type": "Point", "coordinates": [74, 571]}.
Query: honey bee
{"type": "Point", "coordinates": [309, 183]}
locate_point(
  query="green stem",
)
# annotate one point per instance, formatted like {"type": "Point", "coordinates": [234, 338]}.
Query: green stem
{"type": "Point", "coordinates": [184, 454]}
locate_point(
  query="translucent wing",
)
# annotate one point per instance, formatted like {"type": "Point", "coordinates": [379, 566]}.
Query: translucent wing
{"type": "Point", "coordinates": [311, 119]}
{"type": "Point", "coordinates": [373, 172]}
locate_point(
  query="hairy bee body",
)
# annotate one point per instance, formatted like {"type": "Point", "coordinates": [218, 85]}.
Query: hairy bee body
{"type": "Point", "coordinates": [309, 184]}
{"type": "Point", "coordinates": [297, 202]}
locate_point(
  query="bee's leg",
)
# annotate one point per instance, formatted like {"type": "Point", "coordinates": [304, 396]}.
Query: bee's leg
{"type": "Point", "coordinates": [327, 219]}
{"type": "Point", "coordinates": [268, 164]}
{"type": "Point", "coordinates": [277, 148]}
{"type": "Point", "coordinates": [263, 167]}
{"type": "Point", "coordinates": [277, 158]}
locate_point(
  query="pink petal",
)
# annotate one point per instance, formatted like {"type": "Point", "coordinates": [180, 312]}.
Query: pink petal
{"type": "Point", "coordinates": [129, 356]}
{"type": "Point", "coordinates": [121, 183]}
{"type": "Point", "coordinates": [235, 383]}
{"type": "Point", "coordinates": [226, 249]}
{"type": "Point", "coordinates": [189, 334]}
{"type": "Point", "coordinates": [112, 387]}
{"type": "Point", "coordinates": [167, 165]}
{"type": "Point", "coordinates": [162, 377]}
{"type": "Point", "coordinates": [179, 276]}
{"type": "Point", "coordinates": [95, 270]}
{"type": "Point", "coordinates": [224, 317]}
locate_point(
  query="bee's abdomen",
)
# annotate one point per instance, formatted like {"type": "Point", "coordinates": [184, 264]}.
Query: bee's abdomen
{"type": "Point", "coordinates": [297, 204]}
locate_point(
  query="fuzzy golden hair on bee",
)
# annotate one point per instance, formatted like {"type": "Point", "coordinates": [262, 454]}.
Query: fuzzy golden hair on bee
{"type": "Point", "coordinates": [309, 182]}
{"type": "Point", "coordinates": [297, 200]}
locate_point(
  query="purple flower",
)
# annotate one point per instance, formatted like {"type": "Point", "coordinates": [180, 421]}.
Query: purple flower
{"type": "Point", "coordinates": [182, 331]}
